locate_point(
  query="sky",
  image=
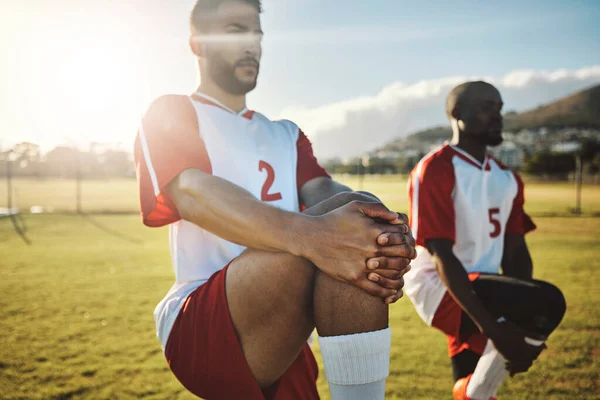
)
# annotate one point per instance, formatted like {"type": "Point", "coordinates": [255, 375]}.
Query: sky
{"type": "Point", "coordinates": [353, 76]}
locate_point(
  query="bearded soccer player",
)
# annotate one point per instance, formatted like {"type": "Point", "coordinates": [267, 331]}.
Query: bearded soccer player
{"type": "Point", "coordinates": [466, 213]}
{"type": "Point", "coordinates": [254, 276]}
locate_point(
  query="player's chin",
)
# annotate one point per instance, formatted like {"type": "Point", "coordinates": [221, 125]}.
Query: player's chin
{"type": "Point", "coordinates": [494, 138]}
{"type": "Point", "coordinates": [247, 81]}
{"type": "Point", "coordinates": [241, 88]}
{"type": "Point", "coordinates": [246, 73]}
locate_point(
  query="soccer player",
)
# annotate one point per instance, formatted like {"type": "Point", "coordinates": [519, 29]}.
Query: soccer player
{"type": "Point", "coordinates": [254, 276]}
{"type": "Point", "coordinates": [466, 213]}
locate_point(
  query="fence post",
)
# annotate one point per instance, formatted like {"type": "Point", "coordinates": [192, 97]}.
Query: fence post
{"type": "Point", "coordinates": [578, 183]}
{"type": "Point", "coordinates": [9, 181]}
{"type": "Point", "coordinates": [78, 183]}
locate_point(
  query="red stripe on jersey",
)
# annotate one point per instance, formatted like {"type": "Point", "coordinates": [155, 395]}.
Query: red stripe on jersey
{"type": "Point", "coordinates": [431, 205]}
{"type": "Point", "coordinates": [519, 223]}
{"type": "Point", "coordinates": [308, 168]}
{"type": "Point", "coordinates": [168, 143]}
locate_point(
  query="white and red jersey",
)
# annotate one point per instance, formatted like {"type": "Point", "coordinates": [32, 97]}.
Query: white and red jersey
{"type": "Point", "coordinates": [455, 197]}
{"type": "Point", "coordinates": [270, 159]}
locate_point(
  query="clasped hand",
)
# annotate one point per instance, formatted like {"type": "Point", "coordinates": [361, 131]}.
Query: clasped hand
{"type": "Point", "coordinates": [368, 246]}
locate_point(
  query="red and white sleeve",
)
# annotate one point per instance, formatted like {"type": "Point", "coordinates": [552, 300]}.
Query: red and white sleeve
{"type": "Point", "coordinates": [431, 206]}
{"type": "Point", "coordinates": [168, 142]}
{"type": "Point", "coordinates": [308, 167]}
{"type": "Point", "coordinates": [519, 223]}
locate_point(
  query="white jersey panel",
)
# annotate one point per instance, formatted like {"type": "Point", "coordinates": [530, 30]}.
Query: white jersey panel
{"type": "Point", "coordinates": [482, 203]}
{"type": "Point", "coordinates": [236, 146]}
{"type": "Point", "coordinates": [256, 154]}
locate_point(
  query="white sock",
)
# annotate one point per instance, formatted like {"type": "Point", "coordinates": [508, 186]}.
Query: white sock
{"type": "Point", "coordinates": [490, 372]}
{"type": "Point", "coordinates": [357, 365]}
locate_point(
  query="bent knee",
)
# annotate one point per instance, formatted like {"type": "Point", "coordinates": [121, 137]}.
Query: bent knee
{"type": "Point", "coordinates": [555, 298]}
{"type": "Point", "coordinates": [348, 197]}
{"type": "Point", "coordinates": [556, 304]}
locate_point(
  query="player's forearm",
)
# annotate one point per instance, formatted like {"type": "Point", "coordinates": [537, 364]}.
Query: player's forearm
{"type": "Point", "coordinates": [520, 265]}
{"type": "Point", "coordinates": [234, 214]}
{"type": "Point", "coordinates": [516, 261]}
{"type": "Point", "coordinates": [459, 286]}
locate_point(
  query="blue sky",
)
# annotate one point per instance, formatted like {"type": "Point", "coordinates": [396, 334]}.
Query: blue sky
{"type": "Point", "coordinates": [425, 40]}
{"type": "Point", "coordinates": [78, 71]}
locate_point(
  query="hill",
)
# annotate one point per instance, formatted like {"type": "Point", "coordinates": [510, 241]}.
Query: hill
{"type": "Point", "coordinates": [579, 110]}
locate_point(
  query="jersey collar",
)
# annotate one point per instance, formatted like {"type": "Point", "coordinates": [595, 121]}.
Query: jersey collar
{"type": "Point", "coordinates": [469, 158]}
{"type": "Point", "coordinates": [206, 99]}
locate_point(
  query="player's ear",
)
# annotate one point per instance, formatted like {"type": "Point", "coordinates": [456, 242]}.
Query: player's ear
{"type": "Point", "coordinates": [455, 113]}
{"type": "Point", "coordinates": [196, 45]}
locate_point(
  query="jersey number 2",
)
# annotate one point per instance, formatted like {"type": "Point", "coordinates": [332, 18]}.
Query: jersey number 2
{"type": "Point", "coordinates": [265, 195]}
{"type": "Point", "coordinates": [493, 212]}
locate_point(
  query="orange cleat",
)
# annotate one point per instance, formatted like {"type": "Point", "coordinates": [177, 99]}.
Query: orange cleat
{"type": "Point", "coordinates": [459, 391]}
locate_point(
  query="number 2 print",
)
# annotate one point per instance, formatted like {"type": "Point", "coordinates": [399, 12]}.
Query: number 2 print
{"type": "Point", "coordinates": [265, 195]}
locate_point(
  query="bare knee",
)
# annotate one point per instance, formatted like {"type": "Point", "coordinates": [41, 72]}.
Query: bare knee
{"type": "Point", "coordinates": [337, 201]}
{"type": "Point", "coordinates": [288, 278]}
{"type": "Point", "coordinates": [342, 309]}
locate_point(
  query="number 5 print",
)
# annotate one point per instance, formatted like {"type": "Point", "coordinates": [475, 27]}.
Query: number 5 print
{"type": "Point", "coordinates": [495, 222]}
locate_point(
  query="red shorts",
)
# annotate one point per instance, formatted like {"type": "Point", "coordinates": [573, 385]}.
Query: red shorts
{"type": "Point", "coordinates": [448, 318]}
{"type": "Point", "coordinates": [204, 353]}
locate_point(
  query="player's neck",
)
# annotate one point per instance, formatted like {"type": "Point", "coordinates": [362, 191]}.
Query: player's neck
{"type": "Point", "coordinates": [476, 150]}
{"type": "Point", "coordinates": [233, 102]}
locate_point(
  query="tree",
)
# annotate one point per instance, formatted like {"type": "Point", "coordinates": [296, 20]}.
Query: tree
{"type": "Point", "coordinates": [547, 163]}
{"type": "Point", "coordinates": [26, 158]}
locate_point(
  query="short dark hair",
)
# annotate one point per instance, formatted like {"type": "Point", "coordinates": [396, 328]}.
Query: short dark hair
{"type": "Point", "coordinates": [463, 93]}
{"type": "Point", "coordinates": [204, 7]}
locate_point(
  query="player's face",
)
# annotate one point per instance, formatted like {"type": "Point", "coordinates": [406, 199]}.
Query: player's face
{"type": "Point", "coordinates": [233, 49]}
{"type": "Point", "coordinates": [483, 117]}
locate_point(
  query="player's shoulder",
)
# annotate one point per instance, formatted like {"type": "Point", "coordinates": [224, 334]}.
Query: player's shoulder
{"type": "Point", "coordinates": [168, 104]}
{"type": "Point", "coordinates": [286, 123]}
{"type": "Point", "coordinates": [168, 113]}
{"type": "Point", "coordinates": [506, 170]}
{"type": "Point", "coordinates": [499, 163]}
{"type": "Point", "coordinates": [437, 159]}
{"type": "Point", "coordinates": [282, 124]}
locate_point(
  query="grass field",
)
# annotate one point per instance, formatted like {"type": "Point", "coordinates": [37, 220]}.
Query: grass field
{"type": "Point", "coordinates": [76, 307]}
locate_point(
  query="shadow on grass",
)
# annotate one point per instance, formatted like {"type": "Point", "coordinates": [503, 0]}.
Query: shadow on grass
{"type": "Point", "coordinates": [112, 232]}
{"type": "Point", "coordinates": [16, 218]}
{"type": "Point", "coordinates": [70, 394]}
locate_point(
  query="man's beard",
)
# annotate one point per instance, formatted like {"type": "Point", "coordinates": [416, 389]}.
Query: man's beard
{"type": "Point", "coordinates": [492, 140]}
{"type": "Point", "coordinates": [223, 74]}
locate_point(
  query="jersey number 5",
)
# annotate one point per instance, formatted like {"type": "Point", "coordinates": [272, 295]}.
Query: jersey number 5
{"type": "Point", "coordinates": [493, 212]}
{"type": "Point", "coordinates": [265, 195]}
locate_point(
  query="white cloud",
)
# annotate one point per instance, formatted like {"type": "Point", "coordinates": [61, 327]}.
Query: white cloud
{"type": "Point", "coordinates": [350, 127]}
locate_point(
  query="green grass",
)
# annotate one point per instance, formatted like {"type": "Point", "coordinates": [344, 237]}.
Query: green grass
{"type": "Point", "coordinates": [120, 195]}
{"type": "Point", "coordinates": [76, 312]}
